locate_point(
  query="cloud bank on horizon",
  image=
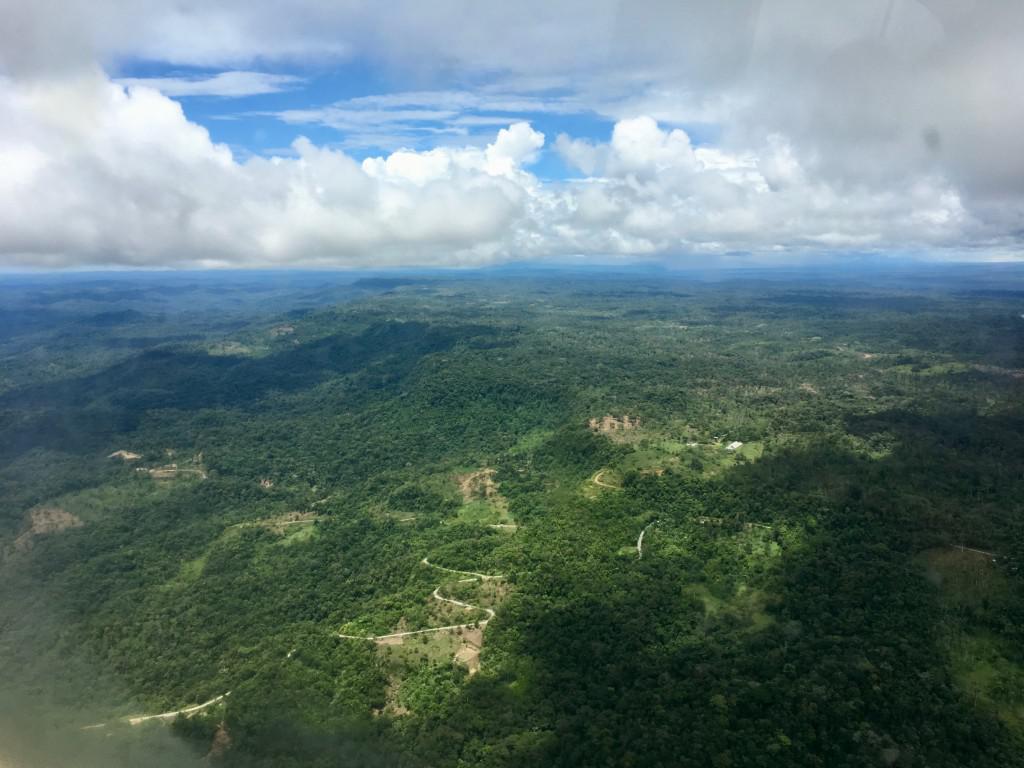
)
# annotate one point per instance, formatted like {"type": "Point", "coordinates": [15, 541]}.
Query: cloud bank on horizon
{"type": "Point", "coordinates": [458, 133]}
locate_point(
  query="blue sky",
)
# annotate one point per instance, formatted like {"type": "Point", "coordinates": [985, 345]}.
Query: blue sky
{"type": "Point", "coordinates": [268, 123]}
{"type": "Point", "coordinates": [244, 133]}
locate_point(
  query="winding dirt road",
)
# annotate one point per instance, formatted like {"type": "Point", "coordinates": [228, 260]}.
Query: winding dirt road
{"type": "Point", "coordinates": [640, 539]}
{"type": "Point", "coordinates": [186, 711]}
{"type": "Point", "coordinates": [483, 576]}
{"type": "Point", "coordinates": [436, 594]}
{"type": "Point", "coordinates": [596, 480]}
{"type": "Point", "coordinates": [993, 555]}
{"type": "Point", "coordinates": [139, 719]}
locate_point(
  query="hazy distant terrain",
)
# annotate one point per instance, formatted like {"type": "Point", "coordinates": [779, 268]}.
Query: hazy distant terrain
{"type": "Point", "coordinates": [513, 517]}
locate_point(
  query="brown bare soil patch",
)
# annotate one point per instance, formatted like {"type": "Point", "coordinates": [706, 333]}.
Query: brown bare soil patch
{"type": "Point", "coordinates": [468, 652]}
{"type": "Point", "coordinates": [221, 742]}
{"type": "Point", "coordinates": [477, 485]}
{"type": "Point", "coordinates": [230, 349]}
{"type": "Point", "coordinates": [43, 521]}
{"type": "Point", "coordinates": [52, 520]}
{"type": "Point", "coordinates": [282, 330]}
{"type": "Point", "coordinates": [469, 655]}
{"type": "Point", "coordinates": [125, 455]}
{"type": "Point", "coordinates": [172, 470]}
{"type": "Point", "coordinates": [473, 636]}
{"type": "Point", "coordinates": [608, 424]}
{"type": "Point", "coordinates": [758, 390]}
{"type": "Point", "coordinates": [808, 388]}
{"type": "Point", "coordinates": [391, 703]}
{"type": "Point", "coordinates": [169, 473]}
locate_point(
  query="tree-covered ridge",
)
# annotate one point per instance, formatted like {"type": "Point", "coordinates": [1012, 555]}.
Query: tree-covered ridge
{"type": "Point", "coordinates": [809, 597]}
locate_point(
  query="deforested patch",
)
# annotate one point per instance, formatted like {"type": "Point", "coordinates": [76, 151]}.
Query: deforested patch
{"type": "Point", "coordinates": [610, 424]}
{"type": "Point", "coordinates": [43, 521]}
{"type": "Point", "coordinates": [479, 485]}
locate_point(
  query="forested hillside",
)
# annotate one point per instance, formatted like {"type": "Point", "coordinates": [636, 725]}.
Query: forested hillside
{"type": "Point", "coordinates": [519, 520]}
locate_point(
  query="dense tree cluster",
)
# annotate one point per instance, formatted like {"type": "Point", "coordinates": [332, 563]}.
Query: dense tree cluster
{"type": "Point", "coordinates": [806, 599]}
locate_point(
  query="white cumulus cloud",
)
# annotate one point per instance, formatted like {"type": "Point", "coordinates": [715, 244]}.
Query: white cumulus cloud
{"type": "Point", "coordinates": [103, 174]}
{"type": "Point", "coordinates": [765, 127]}
{"type": "Point", "coordinates": [224, 84]}
{"type": "Point", "coordinates": [96, 173]}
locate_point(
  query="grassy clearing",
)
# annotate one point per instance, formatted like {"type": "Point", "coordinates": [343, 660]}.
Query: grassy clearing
{"type": "Point", "coordinates": [485, 511]}
{"type": "Point", "coordinates": [931, 369]}
{"type": "Point", "coordinates": [193, 569]}
{"type": "Point", "coordinates": [416, 609]}
{"type": "Point", "coordinates": [671, 447]}
{"type": "Point", "coordinates": [657, 453]}
{"type": "Point", "coordinates": [236, 349]}
{"type": "Point", "coordinates": [297, 534]}
{"type": "Point", "coordinates": [433, 648]}
{"type": "Point", "coordinates": [486, 593]}
{"type": "Point", "coordinates": [965, 578]}
{"type": "Point", "coordinates": [482, 501]}
{"type": "Point", "coordinates": [981, 660]}
{"type": "Point", "coordinates": [283, 525]}
{"type": "Point", "coordinates": [95, 504]}
{"type": "Point", "coordinates": [982, 670]}
{"type": "Point", "coordinates": [751, 451]}
{"type": "Point", "coordinates": [649, 460]}
{"type": "Point", "coordinates": [408, 657]}
{"type": "Point", "coordinates": [756, 543]}
{"type": "Point", "coordinates": [531, 441]}
{"type": "Point", "coordinates": [716, 459]}
{"type": "Point", "coordinates": [739, 604]}
{"type": "Point", "coordinates": [875, 446]}
{"type": "Point", "coordinates": [293, 528]}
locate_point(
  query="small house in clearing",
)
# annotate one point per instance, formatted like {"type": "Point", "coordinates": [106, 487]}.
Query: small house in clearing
{"type": "Point", "coordinates": [735, 445]}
